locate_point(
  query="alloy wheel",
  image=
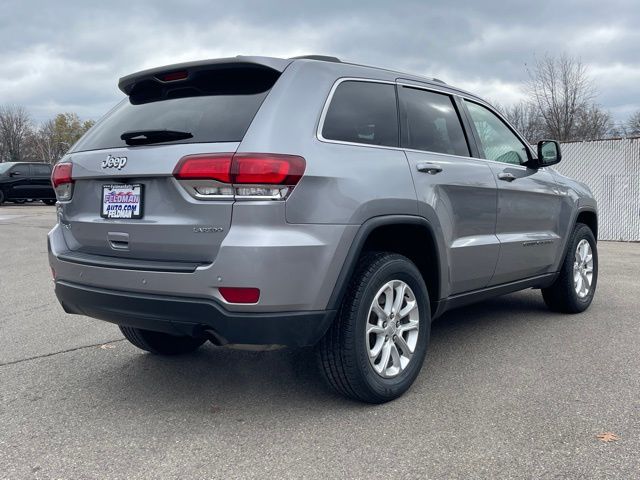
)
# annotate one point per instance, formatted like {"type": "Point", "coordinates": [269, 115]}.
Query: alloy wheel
{"type": "Point", "coordinates": [392, 328]}
{"type": "Point", "coordinates": [583, 269]}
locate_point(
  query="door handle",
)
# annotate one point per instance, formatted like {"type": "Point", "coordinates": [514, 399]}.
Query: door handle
{"type": "Point", "coordinates": [507, 177]}
{"type": "Point", "coordinates": [430, 168]}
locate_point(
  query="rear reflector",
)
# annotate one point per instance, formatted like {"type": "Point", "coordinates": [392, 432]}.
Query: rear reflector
{"type": "Point", "coordinates": [240, 294]}
{"type": "Point", "coordinates": [62, 180]}
{"type": "Point", "coordinates": [252, 175]}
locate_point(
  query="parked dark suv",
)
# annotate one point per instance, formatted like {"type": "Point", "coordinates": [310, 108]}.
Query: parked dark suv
{"type": "Point", "coordinates": [22, 181]}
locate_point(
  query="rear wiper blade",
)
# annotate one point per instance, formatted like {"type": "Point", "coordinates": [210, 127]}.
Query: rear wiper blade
{"type": "Point", "coordinates": [145, 137]}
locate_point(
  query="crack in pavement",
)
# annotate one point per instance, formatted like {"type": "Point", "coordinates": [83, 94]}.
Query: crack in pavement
{"type": "Point", "coordinates": [14, 362]}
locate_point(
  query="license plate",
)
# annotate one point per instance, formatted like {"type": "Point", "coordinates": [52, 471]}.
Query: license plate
{"type": "Point", "coordinates": [122, 201]}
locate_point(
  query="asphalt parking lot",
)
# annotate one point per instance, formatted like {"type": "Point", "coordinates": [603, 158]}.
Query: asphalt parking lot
{"type": "Point", "coordinates": [508, 390]}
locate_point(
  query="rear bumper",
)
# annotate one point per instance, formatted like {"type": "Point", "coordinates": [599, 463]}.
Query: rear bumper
{"type": "Point", "coordinates": [194, 316]}
{"type": "Point", "coordinates": [294, 266]}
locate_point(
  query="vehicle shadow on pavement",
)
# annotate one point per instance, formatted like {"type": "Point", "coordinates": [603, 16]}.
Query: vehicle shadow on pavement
{"type": "Point", "coordinates": [217, 379]}
{"type": "Point", "coordinates": [508, 308]}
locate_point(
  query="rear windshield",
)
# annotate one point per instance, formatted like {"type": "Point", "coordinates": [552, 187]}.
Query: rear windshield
{"type": "Point", "coordinates": [214, 107]}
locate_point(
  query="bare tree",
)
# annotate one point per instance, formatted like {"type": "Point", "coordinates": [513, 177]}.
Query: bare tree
{"type": "Point", "coordinates": [593, 123]}
{"type": "Point", "coordinates": [44, 144]}
{"type": "Point", "coordinates": [525, 117]}
{"type": "Point", "coordinates": [15, 129]}
{"type": "Point", "coordinates": [56, 136]}
{"type": "Point", "coordinates": [633, 125]}
{"type": "Point", "coordinates": [560, 89]}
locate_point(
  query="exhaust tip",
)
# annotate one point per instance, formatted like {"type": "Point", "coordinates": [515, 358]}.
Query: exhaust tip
{"type": "Point", "coordinates": [214, 337]}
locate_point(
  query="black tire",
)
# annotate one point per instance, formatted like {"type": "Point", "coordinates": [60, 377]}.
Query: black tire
{"type": "Point", "coordinates": [19, 201]}
{"type": "Point", "coordinates": [561, 296]}
{"type": "Point", "coordinates": [343, 353]}
{"type": "Point", "coordinates": [160, 343]}
{"type": "Point", "coordinates": [49, 202]}
{"type": "Point", "coordinates": [1, 197]}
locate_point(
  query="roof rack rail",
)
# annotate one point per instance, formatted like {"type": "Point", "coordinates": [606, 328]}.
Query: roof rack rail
{"type": "Point", "coordinates": [322, 58]}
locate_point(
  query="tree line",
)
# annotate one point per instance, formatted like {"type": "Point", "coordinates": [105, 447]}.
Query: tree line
{"type": "Point", "coordinates": [21, 140]}
{"type": "Point", "coordinates": [560, 104]}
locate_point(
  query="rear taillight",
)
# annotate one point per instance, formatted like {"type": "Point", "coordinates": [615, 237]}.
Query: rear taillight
{"type": "Point", "coordinates": [267, 169]}
{"type": "Point", "coordinates": [240, 176]}
{"type": "Point", "coordinates": [62, 180]}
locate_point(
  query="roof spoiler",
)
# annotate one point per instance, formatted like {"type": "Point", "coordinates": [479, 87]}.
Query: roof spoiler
{"type": "Point", "coordinates": [180, 71]}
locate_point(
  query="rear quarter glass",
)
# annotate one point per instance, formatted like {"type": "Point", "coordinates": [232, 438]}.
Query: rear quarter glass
{"type": "Point", "coordinates": [363, 112]}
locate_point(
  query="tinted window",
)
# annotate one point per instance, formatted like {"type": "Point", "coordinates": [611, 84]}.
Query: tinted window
{"type": "Point", "coordinates": [43, 170]}
{"type": "Point", "coordinates": [432, 122]}
{"type": "Point", "coordinates": [214, 106]}
{"type": "Point", "coordinates": [363, 112]}
{"type": "Point", "coordinates": [497, 140]}
{"type": "Point", "coordinates": [22, 170]}
{"type": "Point", "coordinates": [209, 119]}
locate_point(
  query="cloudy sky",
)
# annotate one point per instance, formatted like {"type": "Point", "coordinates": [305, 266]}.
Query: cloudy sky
{"type": "Point", "coordinates": [67, 55]}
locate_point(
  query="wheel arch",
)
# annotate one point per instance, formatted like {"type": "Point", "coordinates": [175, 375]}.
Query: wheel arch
{"type": "Point", "coordinates": [412, 236]}
{"type": "Point", "coordinates": [589, 217]}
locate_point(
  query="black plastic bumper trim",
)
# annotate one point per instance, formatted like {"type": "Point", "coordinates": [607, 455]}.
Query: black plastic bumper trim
{"type": "Point", "coordinates": [194, 316]}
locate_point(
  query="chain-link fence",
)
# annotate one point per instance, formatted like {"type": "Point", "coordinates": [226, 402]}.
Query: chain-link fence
{"type": "Point", "coordinates": [611, 168]}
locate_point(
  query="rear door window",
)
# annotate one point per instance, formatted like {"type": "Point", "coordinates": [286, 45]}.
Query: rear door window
{"type": "Point", "coordinates": [43, 170]}
{"type": "Point", "coordinates": [430, 122]}
{"type": "Point", "coordinates": [214, 106]}
{"type": "Point", "coordinates": [363, 112]}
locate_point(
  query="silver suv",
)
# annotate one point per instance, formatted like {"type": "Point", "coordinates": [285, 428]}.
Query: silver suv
{"type": "Point", "coordinates": [309, 201]}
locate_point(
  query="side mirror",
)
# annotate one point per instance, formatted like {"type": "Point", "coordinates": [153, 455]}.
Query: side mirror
{"type": "Point", "coordinates": [548, 153]}
{"type": "Point", "coordinates": [14, 174]}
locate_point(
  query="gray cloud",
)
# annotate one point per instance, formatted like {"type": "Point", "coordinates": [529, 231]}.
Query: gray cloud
{"type": "Point", "coordinates": [68, 55]}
